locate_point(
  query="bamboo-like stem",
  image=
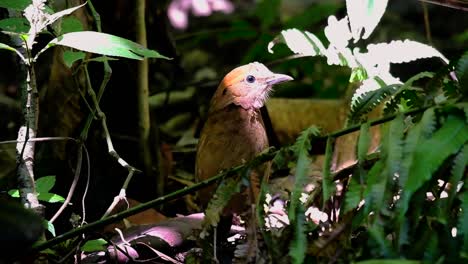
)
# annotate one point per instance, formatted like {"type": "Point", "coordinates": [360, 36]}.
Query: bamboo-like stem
{"type": "Point", "coordinates": [142, 90]}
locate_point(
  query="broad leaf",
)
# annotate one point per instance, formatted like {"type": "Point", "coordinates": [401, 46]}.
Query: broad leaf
{"type": "Point", "coordinates": [54, 17]}
{"type": "Point", "coordinates": [104, 44]}
{"type": "Point", "coordinates": [44, 184]}
{"type": "Point", "coordinates": [94, 245]}
{"type": "Point", "coordinates": [15, 24]}
{"type": "Point", "coordinates": [50, 198]}
{"type": "Point", "coordinates": [69, 57]}
{"type": "Point", "coordinates": [50, 227]}
{"type": "Point", "coordinates": [364, 15]}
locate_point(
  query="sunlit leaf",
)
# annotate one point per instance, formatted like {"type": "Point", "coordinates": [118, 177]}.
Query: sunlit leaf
{"type": "Point", "coordinates": [44, 184]}
{"type": "Point", "coordinates": [94, 245]}
{"type": "Point", "coordinates": [50, 198]}
{"type": "Point", "coordinates": [54, 17]}
{"type": "Point", "coordinates": [50, 227]}
{"type": "Point", "coordinates": [104, 44]}
{"type": "Point", "coordinates": [364, 16]}
{"type": "Point", "coordinates": [299, 42]}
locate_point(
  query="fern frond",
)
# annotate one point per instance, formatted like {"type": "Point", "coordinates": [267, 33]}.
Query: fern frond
{"type": "Point", "coordinates": [458, 169]}
{"type": "Point", "coordinates": [398, 51]}
{"type": "Point", "coordinates": [463, 221]}
{"type": "Point", "coordinates": [298, 246]}
{"type": "Point", "coordinates": [416, 135]}
{"type": "Point", "coordinates": [220, 199]}
{"type": "Point", "coordinates": [431, 153]}
{"type": "Point", "coordinates": [367, 97]}
{"type": "Point", "coordinates": [327, 181]}
{"type": "Point", "coordinates": [375, 188]}
{"type": "Point", "coordinates": [393, 146]}
{"type": "Point", "coordinates": [301, 149]}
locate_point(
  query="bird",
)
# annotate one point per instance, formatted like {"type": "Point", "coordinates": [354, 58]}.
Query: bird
{"type": "Point", "coordinates": [234, 131]}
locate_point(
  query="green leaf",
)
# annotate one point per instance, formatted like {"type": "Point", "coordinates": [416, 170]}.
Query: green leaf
{"type": "Point", "coordinates": [327, 182]}
{"type": "Point", "coordinates": [367, 98]}
{"type": "Point", "coordinates": [50, 227]}
{"type": "Point", "coordinates": [416, 136]}
{"type": "Point", "coordinates": [363, 142]}
{"type": "Point", "coordinates": [50, 197]}
{"type": "Point", "coordinates": [221, 198]}
{"type": "Point", "coordinates": [458, 169]}
{"type": "Point", "coordinates": [69, 57]}
{"type": "Point", "coordinates": [392, 146]}
{"type": "Point", "coordinates": [299, 42]}
{"type": "Point", "coordinates": [375, 188]}
{"type": "Point", "coordinates": [301, 149]}
{"type": "Point", "coordinates": [353, 195]}
{"type": "Point", "coordinates": [15, 4]}
{"type": "Point", "coordinates": [364, 16]}
{"type": "Point", "coordinates": [431, 153]}
{"type": "Point", "coordinates": [94, 245]}
{"type": "Point", "coordinates": [70, 24]}
{"type": "Point", "coordinates": [298, 247]}
{"type": "Point", "coordinates": [44, 184]}
{"type": "Point", "coordinates": [15, 24]}
{"type": "Point", "coordinates": [14, 193]}
{"type": "Point", "coordinates": [104, 44]}
{"type": "Point", "coordinates": [463, 221]}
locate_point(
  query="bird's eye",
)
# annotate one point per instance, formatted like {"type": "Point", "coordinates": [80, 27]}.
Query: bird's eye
{"type": "Point", "coordinates": [250, 79]}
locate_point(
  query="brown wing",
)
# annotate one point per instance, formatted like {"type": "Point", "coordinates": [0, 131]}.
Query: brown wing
{"type": "Point", "coordinates": [229, 138]}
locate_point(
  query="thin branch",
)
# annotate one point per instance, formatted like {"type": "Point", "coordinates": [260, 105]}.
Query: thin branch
{"type": "Point", "coordinates": [260, 159]}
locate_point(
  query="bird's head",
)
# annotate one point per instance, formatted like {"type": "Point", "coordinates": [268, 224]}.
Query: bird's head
{"type": "Point", "coordinates": [247, 86]}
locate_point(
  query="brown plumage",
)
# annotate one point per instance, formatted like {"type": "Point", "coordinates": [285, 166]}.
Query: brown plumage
{"type": "Point", "coordinates": [234, 131]}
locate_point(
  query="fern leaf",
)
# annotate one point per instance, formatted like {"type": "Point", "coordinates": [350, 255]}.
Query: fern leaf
{"type": "Point", "coordinates": [363, 142]}
{"type": "Point", "coordinates": [301, 149]}
{"type": "Point", "coordinates": [299, 42]}
{"type": "Point", "coordinates": [220, 199]}
{"type": "Point", "coordinates": [297, 249]}
{"type": "Point", "coordinates": [375, 188]}
{"type": "Point", "coordinates": [416, 135]}
{"type": "Point", "coordinates": [463, 221]}
{"type": "Point", "coordinates": [431, 153]}
{"type": "Point", "coordinates": [398, 51]}
{"type": "Point", "coordinates": [393, 146]}
{"type": "Point", "coordinates": [327, 181]}
{"type": "Point", "coordinates": [367, 97]}
{"type": "Point", "coordinates": [457, 172]}
{"type": "Point", "coordinates": [353, 195]}
{"type": "Point", "coordinates": [364, 16]}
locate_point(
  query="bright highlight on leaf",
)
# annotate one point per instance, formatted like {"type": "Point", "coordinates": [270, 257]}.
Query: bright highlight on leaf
{"type": "Point", "coordinates": [104, 44]}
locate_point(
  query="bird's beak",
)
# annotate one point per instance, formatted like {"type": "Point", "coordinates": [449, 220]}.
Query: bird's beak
{"type": "Point", "coordinates": [278, 78]}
